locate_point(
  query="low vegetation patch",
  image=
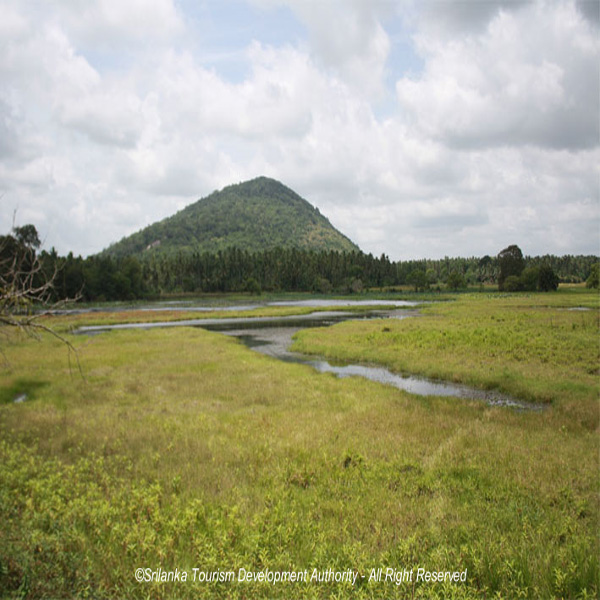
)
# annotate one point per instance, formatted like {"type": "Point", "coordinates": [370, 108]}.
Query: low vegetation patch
{"type": "Point", "coordinates": [184, 450]}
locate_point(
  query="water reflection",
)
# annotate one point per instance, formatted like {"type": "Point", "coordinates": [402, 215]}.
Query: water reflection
{"type": "Point", "coordinates": [273, 336]}
{"type": "Point", "coordinates": [276, 341]}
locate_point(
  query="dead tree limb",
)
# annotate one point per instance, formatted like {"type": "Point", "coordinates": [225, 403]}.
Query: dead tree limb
{"type": "Point", "coordinates": [27, 292]}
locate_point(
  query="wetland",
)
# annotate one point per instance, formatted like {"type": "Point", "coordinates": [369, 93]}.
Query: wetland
{"type": "Point", "coordinates": [273, 336]}
{"type": "Point", "coordinates": [183, 448]}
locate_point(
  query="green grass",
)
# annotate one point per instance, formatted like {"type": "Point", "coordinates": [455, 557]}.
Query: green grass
{"type": "Point", "coordinates": [183, 449]}
{"type": "Point", "coordinates": [535, 347]}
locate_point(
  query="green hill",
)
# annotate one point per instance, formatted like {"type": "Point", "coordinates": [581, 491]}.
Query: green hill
{"type": "Point", "coordinates": [254, 215]}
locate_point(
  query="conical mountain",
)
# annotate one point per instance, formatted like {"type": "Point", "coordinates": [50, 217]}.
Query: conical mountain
{"type": "Point", "coordinates": [255, 215]}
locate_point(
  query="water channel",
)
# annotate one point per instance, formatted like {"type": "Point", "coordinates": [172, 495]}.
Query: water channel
{"type": "Point", "coordinates": [273, 336]}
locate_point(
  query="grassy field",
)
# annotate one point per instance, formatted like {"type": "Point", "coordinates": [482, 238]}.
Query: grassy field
{"type": "Point", "coordinates": [541, 348]}
{"type": "Point", "coordinates": [184, 450]}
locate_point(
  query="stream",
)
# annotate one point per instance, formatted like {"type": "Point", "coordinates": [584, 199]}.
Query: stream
{"type": "Point", "coordinates": [273, 336]}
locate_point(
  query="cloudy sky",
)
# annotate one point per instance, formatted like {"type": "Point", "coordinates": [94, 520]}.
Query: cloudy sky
{"type": "Point", "coordinates": [420, 128]}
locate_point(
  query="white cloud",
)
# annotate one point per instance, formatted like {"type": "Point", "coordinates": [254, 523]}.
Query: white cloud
{"type": "Point", "coordinates": [106, 23]}
{"type": "Point", "coordinates": [346, 36]}
{"type": "Point", "coordinates": [111, 117]}
{"type": "Point", "coordinates": [529, 78]}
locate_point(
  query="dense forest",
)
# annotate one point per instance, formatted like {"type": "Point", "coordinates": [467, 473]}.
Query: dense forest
{"type": "Point", "coordinates": [103, 278]}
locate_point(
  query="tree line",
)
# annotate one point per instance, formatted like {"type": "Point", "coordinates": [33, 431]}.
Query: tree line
{"type": "Point", "coordinates": [105, 278]}
{"type": "Point", "coordinates": [102, 278]}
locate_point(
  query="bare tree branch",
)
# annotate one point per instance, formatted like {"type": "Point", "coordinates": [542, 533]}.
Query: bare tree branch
{"type": "Point", "coordinates": [27, 292]}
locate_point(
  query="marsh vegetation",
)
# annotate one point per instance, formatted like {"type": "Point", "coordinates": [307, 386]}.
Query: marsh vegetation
{"type": "Point", "coordinates": [184, 449]}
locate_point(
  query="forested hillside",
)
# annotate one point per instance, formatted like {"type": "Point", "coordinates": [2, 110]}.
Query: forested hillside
{"type": "Point", "coordinates": [256, 215]}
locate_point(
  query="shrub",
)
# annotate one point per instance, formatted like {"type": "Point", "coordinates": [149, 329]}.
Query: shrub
{"type": "Point", "coordinates": [593, 281]}
{"type": "Point", "coordinates": [529, 279]}
{"type": "Point", "coordinates": [512, 284]}
{"type": "Point", "coordinates": [455, 281]}
{"type": "Point", "coordinates": [547, 279]}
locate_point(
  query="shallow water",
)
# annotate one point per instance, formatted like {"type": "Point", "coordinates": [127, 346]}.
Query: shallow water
{"type": "Point", "coordinates": [273, 336]}
{"type": "Point", "coordinates": [276, 341]}
{"type": "Point", "coordinates": [222, 305]}
{"type": "Point", "coordinates": [309, 320]}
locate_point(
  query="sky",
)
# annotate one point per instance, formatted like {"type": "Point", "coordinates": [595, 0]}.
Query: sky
{"type": "Point", "coordinates": [420, 128]}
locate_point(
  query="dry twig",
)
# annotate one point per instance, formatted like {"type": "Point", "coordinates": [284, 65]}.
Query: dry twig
{"type": "Point", "coordinates": [26, 293]}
